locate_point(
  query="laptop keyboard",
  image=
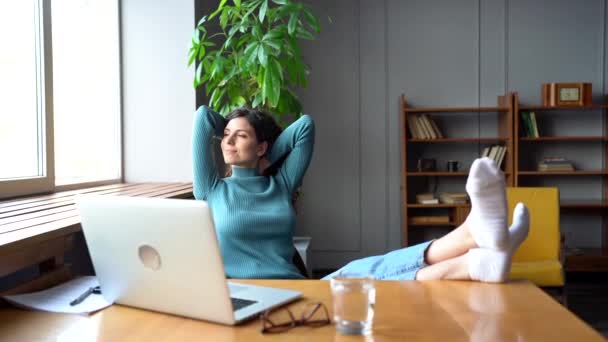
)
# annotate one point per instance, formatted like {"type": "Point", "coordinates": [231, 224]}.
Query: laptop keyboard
{"type": "Point", "coordinates": [238, 303]}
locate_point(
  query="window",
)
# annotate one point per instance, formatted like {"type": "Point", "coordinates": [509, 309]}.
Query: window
{"type": "Point", "coordinates": [60, 86]}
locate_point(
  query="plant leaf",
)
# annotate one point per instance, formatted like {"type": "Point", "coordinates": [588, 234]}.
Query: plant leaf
{"type": "Point", "coordinates": [275, 33]}
{"type": "Point", "coordinates": [251, 53]}
{"type": "Point", "coordinates": [201, 51]}
{"type": "Point", "coordinates": [191, 56]}
{"type": "Point", "coordinates": [278, 68]}
{"type": "Point", "coordinates": [272, 82]}
{"type": "Point", "coordinates": [249, 49]}
{"type": "Point", "coordinates": [275, 44]}
{"type": "Point", "coordinates": [219, 9]}
{"type": "Point", "coordinates": [263, 10]}
{"type": "Point", "coordinates": [256, 101]}
{"type": "Point", "coordinates": [257, 32]}
{"type": "Point", "coordinates": [312, 20]}
{"type": "Point", "coordinates": [202, 21]}
{"type": "Point", "coordinates": [233, 30]}
{"type": "Point", "coordinates": [293, 22]}
{"type": "Point", "coordinates": [240, 101]}
{"type": "Point", "coordinates": [195, 38]}
{"type": "Point", "coordinates": [280, 2]}
{"type": "Point", "coordinates": [302, 33]}
{"type": "Point", "coordinates": [262, 55]}
{"type": "Point", "coordinates": [237, 3]}
{"type": "Point", "coordinates": [224, 18]}
{"type": "Point", "coordinates": [197, 75]}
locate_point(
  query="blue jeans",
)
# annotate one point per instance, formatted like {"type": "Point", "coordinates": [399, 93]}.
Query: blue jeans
{"type": "Point", "coordinates": [401, 264]}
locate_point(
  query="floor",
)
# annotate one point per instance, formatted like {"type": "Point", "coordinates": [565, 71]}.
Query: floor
{"type": "Point", "coordinates": [587, 297]}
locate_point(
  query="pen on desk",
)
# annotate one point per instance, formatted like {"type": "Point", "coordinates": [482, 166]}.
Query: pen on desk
{"type": "Point", "coordinates": [84, 295]}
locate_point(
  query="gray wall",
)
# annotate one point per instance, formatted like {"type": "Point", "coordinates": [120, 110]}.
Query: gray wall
{"type": "Point", "coordinates": [437, 53]}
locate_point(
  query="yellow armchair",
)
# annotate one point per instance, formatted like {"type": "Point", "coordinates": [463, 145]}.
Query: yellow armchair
{"type": "Point", "coordinates": [539, 258]}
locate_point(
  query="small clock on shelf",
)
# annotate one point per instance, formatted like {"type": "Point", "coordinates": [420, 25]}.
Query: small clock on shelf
{"type": "Point", "coordinates": [566, 94]}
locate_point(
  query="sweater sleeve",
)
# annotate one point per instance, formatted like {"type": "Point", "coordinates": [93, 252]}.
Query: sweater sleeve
{"type": "Point", "coordinates": [296, 145]}
{"type": "Point", "coordinates": [207, 125]}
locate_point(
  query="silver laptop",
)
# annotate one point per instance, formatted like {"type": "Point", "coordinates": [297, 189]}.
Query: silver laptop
{"type": "Point", "coordinates": [163, 255]}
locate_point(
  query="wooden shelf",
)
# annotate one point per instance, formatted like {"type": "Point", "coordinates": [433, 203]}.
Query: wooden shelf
{"type": "Point", "coordinates": [564, 138]}
{"type": "Point", "coordinates": [587, 260]}
{"type": "Point", "coordinates": [457, 140]}
{"type": "Point", "coordinates": [592, 107]}
{"type": "Point", "coordinates": [563, 173]}
{"type": "Point", "coordinates": [440, 205]}
{"type": "Point", "coordinates": [456, 109]}
{"type": "Point", "coordinates": [448, 224]}
{"type": "Point", "coordinates": [438, 173]}
{"type": "Point", "coordinates": [442, 173]}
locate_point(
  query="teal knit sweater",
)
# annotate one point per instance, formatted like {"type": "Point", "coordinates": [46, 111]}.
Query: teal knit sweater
{"type": "Point", "coordinates": [253, 216]}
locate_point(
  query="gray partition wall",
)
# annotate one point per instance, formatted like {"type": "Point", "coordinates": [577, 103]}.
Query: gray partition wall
{"type": "Point", "coordinates": [437, 53]}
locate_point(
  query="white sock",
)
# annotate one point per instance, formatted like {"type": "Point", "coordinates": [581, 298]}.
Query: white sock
{"type": "Point", "coordinates": [494, 266]}
{"type": "Point", "coordinates": [488, 218]}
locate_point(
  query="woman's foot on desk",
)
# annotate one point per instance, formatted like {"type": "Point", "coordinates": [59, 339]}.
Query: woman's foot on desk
{"type": "Point", "coordinates": [487, 221]}
{"type": "Point", "coordinates": [494, 266]}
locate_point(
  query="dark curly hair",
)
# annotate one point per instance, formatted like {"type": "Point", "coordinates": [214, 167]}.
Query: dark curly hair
{"type": "Point", "coordinates": [265, 126]}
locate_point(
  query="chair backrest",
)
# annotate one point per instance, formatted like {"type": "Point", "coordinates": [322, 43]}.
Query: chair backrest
{"type": "Point", "coordinates": [543, 242]}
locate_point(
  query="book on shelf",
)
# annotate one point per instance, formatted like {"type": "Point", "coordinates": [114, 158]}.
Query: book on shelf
{"type": "Point", "coordinates": [427, 198]}
{"type": "Point", "coordinates": [422, 126]}
{"type": "Point", "coordinates": [529, 125]}
{"type": "Point", "coordinates": [428, 130]}
{"type": "Point", "coordinates": [555, 164]}
{"type": "Point", "coordinates": [429, 219]}
{"type": "Point", "coordinates": [534, 125]}
{"type": "Point", "coordinates": [436, 128]}
{"type": "Point", "coordinates": [454, 198]}
{"type": "Point", "coordinates": [496, 153]}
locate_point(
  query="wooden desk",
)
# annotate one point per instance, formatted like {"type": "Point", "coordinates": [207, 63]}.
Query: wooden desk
{"type": "Point", "coordinates": [405, 311]}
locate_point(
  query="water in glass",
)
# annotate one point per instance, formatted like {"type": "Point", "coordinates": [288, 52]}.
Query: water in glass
{"type": "Point", "coordinates": [353, 300]}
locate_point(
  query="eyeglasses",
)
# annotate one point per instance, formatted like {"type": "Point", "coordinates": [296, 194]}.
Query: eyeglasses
{"type": "Point", "coordinates": [314, 315]}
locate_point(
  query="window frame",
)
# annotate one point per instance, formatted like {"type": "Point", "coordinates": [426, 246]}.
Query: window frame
{"type": "Point", "coordinates": [46, 183]}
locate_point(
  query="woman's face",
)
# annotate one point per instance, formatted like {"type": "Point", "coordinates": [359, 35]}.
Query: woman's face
{"type": "Point", "coordinates": [240, 145]}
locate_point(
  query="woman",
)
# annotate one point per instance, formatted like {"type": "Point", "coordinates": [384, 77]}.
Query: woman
{"type": "Point", "coordinates": [254, 218]}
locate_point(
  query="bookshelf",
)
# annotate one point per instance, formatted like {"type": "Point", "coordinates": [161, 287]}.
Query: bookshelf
{"type": "Point", "coordinates": [562, 132]}
{"type": "Point", "coordinates": [475, 129]}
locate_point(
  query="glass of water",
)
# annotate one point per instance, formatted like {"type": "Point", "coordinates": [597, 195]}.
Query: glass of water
{"type": "Point", "coordinates": [354, 296]}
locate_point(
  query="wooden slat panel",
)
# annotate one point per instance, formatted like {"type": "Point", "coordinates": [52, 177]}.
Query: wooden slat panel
{"type": "Point", "coordinates": [61, 200]}
{"type": "Point", "coordinates": [36, 234]}
{"type": "Point", "coordinates": [9, 203]}
{"type": "Point", "coordinates": [43, 217]}
{"type": "Point", "coordinates": [23, 217]}
{"type": "Point", "coordinates": [38, 221]}
{"type": "Point", "coordinates": [43, 210]}
{"type": "Point", "coordinates": [166, 193]}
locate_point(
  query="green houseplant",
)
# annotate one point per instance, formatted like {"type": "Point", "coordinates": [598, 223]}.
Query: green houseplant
{"type": "Point", "coordinates": [253, 58]}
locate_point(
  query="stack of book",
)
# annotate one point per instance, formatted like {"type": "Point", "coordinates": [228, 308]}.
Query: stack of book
{"type": "Point", "coordinates": [427, 198]}
{"type": "Point", "coordinates": [439, 219]}
{"type": "Point", "coordinates": [422, 126]}
{"type": "Point", "coordinates": [529, 128]}
{"type": "Point", "coordinates": [454, 198]}
{"type": "Point", "coordinates": [555, 164]}
{"type": "Point", "coordinates": [495, 152]}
